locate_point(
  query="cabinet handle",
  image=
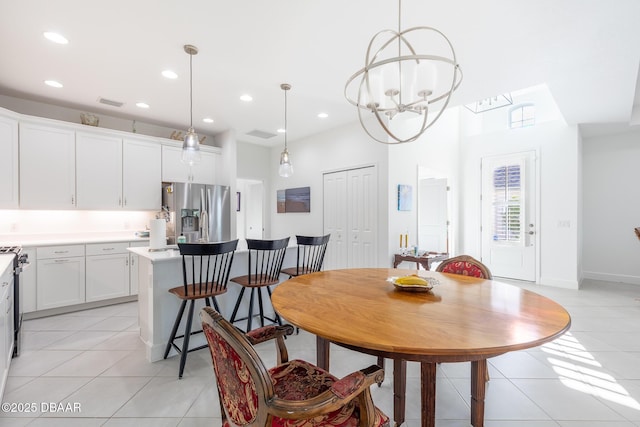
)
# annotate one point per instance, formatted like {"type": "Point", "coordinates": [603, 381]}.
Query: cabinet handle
{"type": "Point", "coordinates": [73, 200]}
{"type": "Point", "coordinates": [119, 201]}
{"type": "Point", "coordinates": [108, 249]}
{"type": "Point", "coordinates": [126, 262]}
{"type": "Point", "coordinates": [60, 252]}
{"type": "Point", "coordinates": [133, 260]}
{"type": "Point", "coordinates": [125, 201]}
{"type": "Point", "coordinates": [60, 261]}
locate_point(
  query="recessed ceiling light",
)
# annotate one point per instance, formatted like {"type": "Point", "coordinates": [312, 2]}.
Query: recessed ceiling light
{"type": "Point", "coordinates": [142, 105]}
{"type": "Point", "coordinates": [169, 74]}
{"type": "Point", "coordinates": [55, 37]}
{"type": "Point", "coordinates": [281, 130]}
{"type": "Point", "coordinates": [323, 115]}
{"type": "Point", "coordinates": [207, 120]}
{"type": "Point", "coordinates": [53, 83]}
{"type": "Point", "coordinates": [246, 98]}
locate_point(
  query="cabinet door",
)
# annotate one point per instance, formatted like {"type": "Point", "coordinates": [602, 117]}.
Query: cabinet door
{"type": "Point", "coordinates": [142, 175]}
{"type": "Point", "coordinates": [61, 282]}
{"type": "Point", "coordinates": [107, 276]}
{"type": "Point", "coordinates": [8, 163]}
{"type": "Point", "coordinates": [4, 367]}
{"type": "Point", "coordinates": [173, 170]}
{"type": "Point", "coordinates": [98, 171]}
{"type": "Point", "coordinates": [47, 167]}
{"type": "Point", "coordinates": [133, 268]}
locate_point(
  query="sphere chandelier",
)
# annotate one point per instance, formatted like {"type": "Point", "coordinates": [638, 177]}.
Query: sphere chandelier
{"type": "Point", "coordinates": [397, 81]}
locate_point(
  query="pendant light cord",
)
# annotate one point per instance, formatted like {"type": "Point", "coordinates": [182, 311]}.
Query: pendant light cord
{"type": "Point", "coordinates": [190, 90]}
{"type": "Point", "coordinates": [285, 120]}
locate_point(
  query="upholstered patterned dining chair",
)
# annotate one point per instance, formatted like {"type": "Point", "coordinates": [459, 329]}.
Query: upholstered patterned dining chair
{"type": "Point", "coordinates": [466, 266]}
{"type": "Point", "coordinates": [292, 394]}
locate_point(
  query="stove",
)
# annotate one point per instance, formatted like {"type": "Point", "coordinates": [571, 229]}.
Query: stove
{"type": "Point", "coordinates": [20, 261]}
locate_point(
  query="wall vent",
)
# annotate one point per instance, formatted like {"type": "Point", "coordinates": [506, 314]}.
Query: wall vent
{"type": "Point", "coordinates": [110, 102]}
{"type": "Point", "coordinates": [261, 134]}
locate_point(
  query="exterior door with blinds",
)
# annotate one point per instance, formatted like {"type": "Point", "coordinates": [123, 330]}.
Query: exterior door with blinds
{"type": "Point", "coordinates": [508, 215]}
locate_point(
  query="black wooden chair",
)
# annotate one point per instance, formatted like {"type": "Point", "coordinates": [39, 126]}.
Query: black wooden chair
{"type": "Point", "coordinates": [205, 273]}
{"type": "Point", "coordinates": [310, 257]}
{"type": "Point", "coordinates": [265, 259]}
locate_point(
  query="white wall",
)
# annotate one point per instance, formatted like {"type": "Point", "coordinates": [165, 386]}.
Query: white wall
{"type": "Point", "coordinates": [435, 151]}
{"type": "Point", "coordinates": [558, 166]}
{"type": "Point", "coordinates": [344, 147]}
{"type": "Point", "coordinates": [611, 175]}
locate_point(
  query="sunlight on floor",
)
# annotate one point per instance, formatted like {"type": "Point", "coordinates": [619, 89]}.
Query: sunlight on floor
{"type": "Point", "coordinates": [585, 378]}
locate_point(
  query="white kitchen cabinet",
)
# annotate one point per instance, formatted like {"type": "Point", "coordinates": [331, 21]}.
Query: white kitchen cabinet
{"type": "Point", "coordinates": [98, 171]}
{"type": "Point", "coordinates": [61, 276]}
{"type": "Point", "coordinates": [47, 167]}
{"type": "Point", "coordinates": [107, 271]}
{"type": "Point", "coordinates": [28, 281]}
{"type": "Point", "coordinates": [173, 170]}
{"type": "Point", "coordinates": [134, 282]}
{"type": "Point", "coordinates": [6, 325]}
{"type": "Point", "coordinates": [8, 163]}
{"type": "Point", "coordinates": [141, 174]}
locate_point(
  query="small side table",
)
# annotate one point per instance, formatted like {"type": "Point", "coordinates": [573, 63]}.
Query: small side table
{"type": "Point", "coordinates": [424, 260]}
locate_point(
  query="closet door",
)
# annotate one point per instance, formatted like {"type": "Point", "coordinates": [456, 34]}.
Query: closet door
{"type": "Point", "coordinates": [335, 219]}
{"type": "Point", "coordinates": [350, 215]}
{"type": "Point", "coordinates": [362, 217]}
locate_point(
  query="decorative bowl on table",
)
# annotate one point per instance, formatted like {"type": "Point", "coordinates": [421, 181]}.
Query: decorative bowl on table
{"type": "Point", "coordinates": [413, 283]}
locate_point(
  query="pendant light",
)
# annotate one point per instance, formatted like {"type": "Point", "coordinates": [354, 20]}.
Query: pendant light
{"type": "Point", "coordinates": [286, 168]}
{"type": "Point", "coordinates": [399, 81]}
{"type": "Point", "coordinates": [191, 145]}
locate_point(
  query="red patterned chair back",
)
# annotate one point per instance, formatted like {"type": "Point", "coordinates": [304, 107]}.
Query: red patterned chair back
{"type": "Point", "coordinates": [292, 394]}
{"type": "Point", "coordinates": [466, 266]}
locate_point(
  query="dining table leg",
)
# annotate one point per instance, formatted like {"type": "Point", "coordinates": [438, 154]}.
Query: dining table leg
{"type": "Point", "coordinates": [478, 388]}
{"type": "Point", "coordinates": [428, 394]}
{"type": "Point", "coordinates": [322, 353]}
{"type": "Point", "coordinates": [399, 390]}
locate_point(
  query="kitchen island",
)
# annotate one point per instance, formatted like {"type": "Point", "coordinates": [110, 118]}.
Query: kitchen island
{"type": "Point", "coordinates": [158, 271]}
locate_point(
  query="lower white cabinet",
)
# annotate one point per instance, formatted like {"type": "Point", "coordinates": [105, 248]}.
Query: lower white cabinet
{"type": "Point", "coordinates": [133, 268]}
{"type": "Point", "coordinates": [61, 276]}
{"type": "Point", "coordinates": [107, 271]}
{"type": "Point", "coordinates": [6, 325]}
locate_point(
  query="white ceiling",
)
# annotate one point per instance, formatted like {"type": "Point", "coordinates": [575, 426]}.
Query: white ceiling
{"type": "Point", "coordinates": [586, 51]}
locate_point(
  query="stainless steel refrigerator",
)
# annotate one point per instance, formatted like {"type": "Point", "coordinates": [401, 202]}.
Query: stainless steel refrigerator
{"type": "Point", "coordinates": [199, 212]}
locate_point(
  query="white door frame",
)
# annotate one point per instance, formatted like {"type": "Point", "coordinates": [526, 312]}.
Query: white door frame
{"type": "Point", "coordinates": [536, 198]}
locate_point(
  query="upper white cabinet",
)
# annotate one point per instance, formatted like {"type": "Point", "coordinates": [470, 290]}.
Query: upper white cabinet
{"type": "Point", "coordinates": [8, 163]}
{"type": "Point", "coordinates": [98, 171]}
{"type": "Point", "coordinates": [47, 167]}
{"type": "Point", "coordinates": [141, 174]}
{"type": "Point", "coordinates": [173, 170]}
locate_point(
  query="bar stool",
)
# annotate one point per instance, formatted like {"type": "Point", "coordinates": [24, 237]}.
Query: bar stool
{"type": "Point", "coordinates": [310, 257]}
{"type": "Point", "coordinates": [265, 259]}
{"type": "Point", "coordinates": [205, 273]}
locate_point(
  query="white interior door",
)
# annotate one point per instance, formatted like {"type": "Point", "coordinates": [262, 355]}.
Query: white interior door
{"type": "Point", "coordinates": [350, 215]}
{"type": "Point", "coordinates": [509, 215]}
{"type": "Point", "coordinates": [335, 219]}
{"type": "Point", "coordinates": [433, 223]}
{"type": "Point", "coordinates": [254, 210]}
{"type": "Point", "coordinates": [362, 225]}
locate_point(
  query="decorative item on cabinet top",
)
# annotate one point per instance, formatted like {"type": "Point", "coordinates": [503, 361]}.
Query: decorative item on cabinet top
{"type": "Point", "coordinates": [177, 135]}
{"type": "Point", "coordinates": [89, 119]}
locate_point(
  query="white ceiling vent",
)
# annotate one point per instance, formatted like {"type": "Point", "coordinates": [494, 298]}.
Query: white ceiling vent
{"type": "Point", "coordinates": [261, 134]}
{"type": "Point", "coordinates": [110, 102]}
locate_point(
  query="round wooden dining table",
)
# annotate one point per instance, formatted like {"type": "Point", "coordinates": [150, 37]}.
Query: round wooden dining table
{"type": "Point", "coordinates": [461, 319]}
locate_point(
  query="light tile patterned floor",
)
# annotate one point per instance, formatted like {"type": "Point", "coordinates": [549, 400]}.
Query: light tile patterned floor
{"type": "Point", "coordinates": [588, 378]}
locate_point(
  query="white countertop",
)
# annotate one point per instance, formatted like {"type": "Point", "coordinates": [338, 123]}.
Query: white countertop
{"type": "Point", "coordinates": [28, 240]}
{"type": "Point", "coordinates": [172, 252]}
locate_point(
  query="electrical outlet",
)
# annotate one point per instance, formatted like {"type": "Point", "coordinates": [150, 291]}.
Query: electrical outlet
{"type": "Point", "coordinates": [14, 227]}
{"type": "Point", "coordinates": [126, 225]}
{"type": "Point", "coordinates": [564, 223]}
